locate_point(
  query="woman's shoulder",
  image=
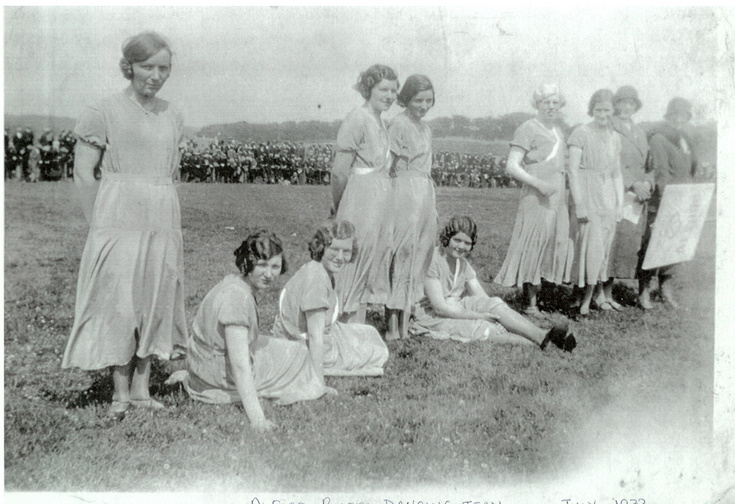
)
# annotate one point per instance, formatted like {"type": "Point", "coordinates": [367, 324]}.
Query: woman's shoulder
{"type": "Point", "coordinates": [233, 286]}
{"type": "Point", "coordinates": [310, 272]}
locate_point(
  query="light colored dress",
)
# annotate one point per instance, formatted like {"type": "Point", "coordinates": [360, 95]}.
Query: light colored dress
{"type": "Point", "coordinates": [624, 256]}
{"type": "Point", "coordinates": [131, 277]}
{"type": "Point", "coordinates": [282, 369]}
{"type": "Point", "coordinates": [414, 210]}
{"type": "Point", "coordinates": [593, 240]}
{"type": "Point", "coordinates": [366, 204]}
{"type": "Point", "coordinates": [349, 349]}
{"type": "Point", "coordinates": [454, 285]}
{"type": "Point", "coordinates": [540, 245]}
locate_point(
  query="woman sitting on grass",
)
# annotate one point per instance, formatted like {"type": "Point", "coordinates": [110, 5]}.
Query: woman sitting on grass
{"type": "Point", "coordinates": [228, 360]}
{"type": "Point", "coordinates": [309, 310]}
{"type": "Point", "coordinates": [457, 307]}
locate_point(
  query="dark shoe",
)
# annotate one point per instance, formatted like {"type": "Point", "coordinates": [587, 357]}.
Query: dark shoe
{"type": "Point", "coordinates": [560, 336]}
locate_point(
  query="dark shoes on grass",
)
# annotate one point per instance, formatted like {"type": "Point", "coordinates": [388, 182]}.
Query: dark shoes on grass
{"type": "Point", "coordinates": [561, 337]}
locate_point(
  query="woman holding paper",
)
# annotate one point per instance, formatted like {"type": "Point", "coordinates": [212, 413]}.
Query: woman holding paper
{"type": "Point", "coordinates": [637, 184]}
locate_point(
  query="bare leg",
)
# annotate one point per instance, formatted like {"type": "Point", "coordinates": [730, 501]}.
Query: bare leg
{"type": "Point", "coordinates": [393, 332]}
{"type": "Point", "coordinates": [360, 314]}
{"type": "Point", "coordinates": [584, 308]}
{"type": "Point", "coordinates": [518, 324]}
{"type": "Point", "coordinates": [532, 291]}
{"type": "Point", "coordinates": [405, 317]}
{"type": "Point", "coordinates": [141, 377]}
{"type": "Point", "coordinates": [121, 382]}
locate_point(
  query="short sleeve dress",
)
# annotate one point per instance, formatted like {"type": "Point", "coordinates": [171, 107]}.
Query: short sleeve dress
{"type": "Point", "coordinates": [282, 369]}
{"type": "Point", "coordinates": [427, 322]}
{"type": "Point", "coordinates": [593, 240]}
{"type": "Point", "coordinates": [130, 290]}
{"type": "Point", "coordinates": [366, 204]}
{"type": "Point", "coordinates": [624, 256]}
{"type": "Point", "coordinates": [414, 210]}
{"type": "Point", "coordinates": [540, 244]}
{"type": "Point", "coordinates": [349, 349]}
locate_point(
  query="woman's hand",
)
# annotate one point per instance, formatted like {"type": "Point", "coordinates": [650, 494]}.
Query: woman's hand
{"type": "Point", "coordinates": [619, 213]}
{"type": "Point", "coordinates": [582, 216]}
{"type": "Point", "coordinates": [490, 317]}
{"type": "Point", "coordinates": [331, 391]}
{"type": "Point", "coordinates": [262, 425]}
{"type": "Point", "coordinates": [546, 188]}
{"type": "Point", "coordinates": [642, 190]}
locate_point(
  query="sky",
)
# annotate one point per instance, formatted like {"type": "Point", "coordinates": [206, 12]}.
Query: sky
{"type": "Point", "coordinates": [273, 64]}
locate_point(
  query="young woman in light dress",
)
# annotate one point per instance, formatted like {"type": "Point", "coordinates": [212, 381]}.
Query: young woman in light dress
{"type": "Point", "coordinates": [361, 190]}
{"type": "Point", "coordinates": [540, 246]}
{"type": "Point", "coordinates": [457, 307]}
{"type": "Point", "coordinates": [228, 360]}
{"type": "Point", "coordinates": [130, 291]}
{"type": "Point", "coordinates": [596, 184]}
{"type": "Point", "coordinates": [414, 203]}
{"type": "Point", "coordinates": [309, 309]}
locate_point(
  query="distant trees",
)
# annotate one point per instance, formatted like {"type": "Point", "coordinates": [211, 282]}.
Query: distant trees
{"type": "Point", "coordinates": [483, 128]}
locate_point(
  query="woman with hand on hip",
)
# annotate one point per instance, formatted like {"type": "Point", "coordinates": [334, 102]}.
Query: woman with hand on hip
{"type": "Point", "coordinates": [414, 202]}
{"type": "Point", "coordinates": [596, 184]}
{"type": "Point", "coordinates": [130, 292]}
{"type": "Point", "coordinates": [361, 190]}
{"type": "Point", "coordinates": [540, 246]}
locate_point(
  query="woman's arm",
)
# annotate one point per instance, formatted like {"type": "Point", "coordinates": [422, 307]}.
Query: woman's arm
{"type": "Point", "coordinates": [315, 324]}
{"type": "Point", "coordinates": [575, 160]}
{"type": "Point", "coordinates": [340, 173]}
{"type": "Point", "coordinates": [86, 159]}
{"type": "Point", "coordinates": [513, 168]}
{"type": "Point", "coordinates": [434, 292]}
{"type": "Point", "coordinates": [238, 349]}
{"type": "Point", "coordinates": [619, 190]}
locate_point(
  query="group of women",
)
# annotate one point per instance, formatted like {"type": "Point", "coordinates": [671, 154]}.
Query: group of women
{"type": "Point", "coordinates": [594, 236]}
{"type": "Point", "coordinates": [378, 249]}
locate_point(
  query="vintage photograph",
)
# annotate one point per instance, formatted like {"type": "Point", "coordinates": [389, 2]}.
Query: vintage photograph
{"type": "Point", "coordinates": [377, 255]}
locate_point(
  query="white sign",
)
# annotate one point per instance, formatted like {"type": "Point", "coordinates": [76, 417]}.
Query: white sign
{"type": "Point", "coordinates": [678, 224]}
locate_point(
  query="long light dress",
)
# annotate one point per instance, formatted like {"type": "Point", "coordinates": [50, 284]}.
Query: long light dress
{"type": "Point", "coordinates": [624, 257]}
{"type": "Point", "coordinates": [427, 322]}
{"type": "Point", "coordinates": [366, 204]}
{"type": "Point", "coordinates": [349, 349]}
{"type": "Point", "coordinates": [541, 244]}
{"type": "Point", "coordinates": [593, 240]}
{"type": "Point", "coordinates": [131, 277]}
{"type": "Point", "coordinates": [282, 369]}
{"type": "Point", "coordinates": [414, 210]}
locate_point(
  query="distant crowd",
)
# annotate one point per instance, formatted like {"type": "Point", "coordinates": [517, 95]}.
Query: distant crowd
{"type": "Point", "coordinates": [51, 157]}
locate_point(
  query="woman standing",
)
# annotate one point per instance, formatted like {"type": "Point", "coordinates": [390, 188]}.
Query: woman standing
{"type": "Point", "coordinates": [361, 190]}
{"type": "Point", "coordinates": [130, 292]}
{"type": "Point", "coordinates": [309, 309]}
{"type": "Point", "coordinates": [540, 246]}
{"type": "Point", "coordinates": [638, 185]}
{"type": "Point", "coordinates": [596, 184]}
{"type": "Point", "coordinates": [228, 360]}
{"type": "Point", "coordinates": [414, 210]}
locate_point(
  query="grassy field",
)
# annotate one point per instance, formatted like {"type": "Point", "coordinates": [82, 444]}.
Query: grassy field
{"type": "Point", "coordinates": [634, 395]}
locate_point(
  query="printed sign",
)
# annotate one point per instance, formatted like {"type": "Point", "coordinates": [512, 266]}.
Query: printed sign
{"type": "Point", "coordinates": [678, 224]}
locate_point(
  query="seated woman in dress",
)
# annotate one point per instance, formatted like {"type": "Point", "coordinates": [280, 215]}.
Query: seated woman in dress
{"type": "Point", "coordinates": [228, 360]}
{"type": "Point", "coordinates": [309, 310]}
{"type": "Point", "coordinates": [457, 307]}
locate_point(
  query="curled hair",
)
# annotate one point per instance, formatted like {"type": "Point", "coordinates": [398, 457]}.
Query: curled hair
{"type": "Point", "coordinates": [140, 48]}
{"type": "Point", "coordinates": [456, 225]}
{"type": "Point", "coordinates": [544, 91]}
{"type": "Point", "coordinates": [372, 76]}
{"type": "Point", "coordinates": [338, 229]}
{"type": "Point", "coordinates": [601, 95]}
{"type": "Point", "coordinates": [413, 86]}
{"type": "Point", "coordinates": [262, 245]}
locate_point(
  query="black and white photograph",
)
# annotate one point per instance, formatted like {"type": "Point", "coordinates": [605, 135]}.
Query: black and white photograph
{"type": "Point", "coordinates": [368, 255]}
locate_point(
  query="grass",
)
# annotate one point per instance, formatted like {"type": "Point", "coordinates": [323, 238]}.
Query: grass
{"type": "Point", "coordinates": [444, 414]}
